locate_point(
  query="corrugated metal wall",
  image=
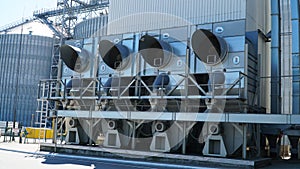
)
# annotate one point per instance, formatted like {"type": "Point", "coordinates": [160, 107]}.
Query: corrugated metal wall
{"type": "Point", "coordinates": [91, 27]}
{"type": "Point", "coordinates": [258, 18]}
{"type": "Point", "coordinates": [35, 54]}
{"type": "Point", "coordinates": [138, 15]}
{"type": "Point", "coordinates": [286, 59]}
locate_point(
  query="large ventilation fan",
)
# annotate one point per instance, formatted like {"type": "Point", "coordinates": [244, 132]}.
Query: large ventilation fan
{"type": "Point", "coordinates": [155, 52]}
{"type": "Point", "coordinates": [75, 58]}
{"type": "Point", "coordinates": [114, 55]}
{"type": "Point", "coordinates": [208, 47]}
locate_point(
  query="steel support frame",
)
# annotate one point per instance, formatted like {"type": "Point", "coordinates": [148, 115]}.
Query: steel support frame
{"type": "Point", "coordinates": [289, 119]}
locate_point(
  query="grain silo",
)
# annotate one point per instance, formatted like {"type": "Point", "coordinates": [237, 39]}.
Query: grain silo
{"type": "Point", "coordinates": [91, 27]}
{"type": "Point", "coordinates": [25, 58]}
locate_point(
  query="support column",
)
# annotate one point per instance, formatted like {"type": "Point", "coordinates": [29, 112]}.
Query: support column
{"type": "Point", "coordinates": [133, 137]}
{"type": "Point", "coordinates": [54, 132]}
{"type": "Point", "coordinates": [278, 146]}
{"type": "Point", "coordinates": [258, 140]}
{"type": "Point", "coordinates": [184, 139]}
{"type": "Point", "coordinates": [298, 149]}
{"type": "Point", "coordinates": [91, 123]}
{"type": "Point", "coordinates": [244, 141]}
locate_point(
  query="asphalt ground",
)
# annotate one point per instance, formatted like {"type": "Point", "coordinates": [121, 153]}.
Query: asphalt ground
{"type": "Point", "coordinates": [22, 156]}
{"type": "Point", "coordinates": [27, 156]}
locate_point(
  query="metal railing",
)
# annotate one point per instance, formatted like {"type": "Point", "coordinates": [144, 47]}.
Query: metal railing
{"type": "Point", "coordinates": [136, 92]}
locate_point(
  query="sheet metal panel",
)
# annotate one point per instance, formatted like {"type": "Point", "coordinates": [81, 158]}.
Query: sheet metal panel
{"type": "Point", "coordinates": [139, 15]}
{"type": "Point", "coordinates": [287, 62]}
{"type": "Point", "coordinates": [257, 15]}
{"type": "Point", "coordinates": [91, 27]}
{"type": "Point", "coordinates": [32, 56]}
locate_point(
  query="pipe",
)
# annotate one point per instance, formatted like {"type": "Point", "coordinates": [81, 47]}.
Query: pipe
{"type": "Point", "coordinates": [295, 55]}
{"type": "Point", "coordinates": [162, 81]}
{"type": "Point", "coordinates": [275, 58]}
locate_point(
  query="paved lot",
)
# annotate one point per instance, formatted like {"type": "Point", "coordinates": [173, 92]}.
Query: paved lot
{"type": "Point", "coordinates": [28, 161]}
{"type": "Point", "coordinates": [26, 156]}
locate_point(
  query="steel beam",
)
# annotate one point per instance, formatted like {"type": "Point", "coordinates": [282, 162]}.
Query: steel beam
{"type": "Point", "coordinates": [182, 116]}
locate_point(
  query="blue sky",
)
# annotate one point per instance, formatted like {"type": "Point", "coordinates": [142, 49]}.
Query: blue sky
{"type": "Point", "coordinates": [14, 10]}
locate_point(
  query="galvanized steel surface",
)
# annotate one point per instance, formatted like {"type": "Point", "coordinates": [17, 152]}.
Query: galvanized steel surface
{"type": "Point", "coordinates": [24, 61]}
{"type": "Point", "coordinates": [286, 60]}
{"type": "Point", "coordinates": [91, 27]}
{"type": "Point", "coordinates": [138, 15]}
{"type": "Point", "coordinates": [295, 16]}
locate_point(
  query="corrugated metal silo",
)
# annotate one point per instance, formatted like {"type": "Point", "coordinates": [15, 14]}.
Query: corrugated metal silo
{"type": "Point", "coordinates": [91, 27]}
{"type": "Point", "coordinates": [24, 60]}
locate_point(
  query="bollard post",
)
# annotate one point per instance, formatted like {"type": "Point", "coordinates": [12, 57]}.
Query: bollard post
{"type": "Point", "coordinates": [5, 131]}
{"type": "Point", "coordinates": [20, 135]}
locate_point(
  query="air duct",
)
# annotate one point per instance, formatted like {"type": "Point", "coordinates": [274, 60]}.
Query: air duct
{"type": "Point", "coordinates": [155, 52]}
{"type": "Point", "coordinates": [295, 54]}
{"type": "Point", "coordinates": [114, 55]}
{"type": "Point", "coordinates": [216, 79]}
{"type": "Point", "coordinates": [208, 47]}
{"type": "Point", "coordinates": [161, 81]}
{"type": "Point", "coordinates": [75, 58]}
{"type": "Point", "coordinates": [107, 86]}
{"type": "Point", "coordinates": [275, 60]}
{"type": "Point", "coordinates": [160, 87]}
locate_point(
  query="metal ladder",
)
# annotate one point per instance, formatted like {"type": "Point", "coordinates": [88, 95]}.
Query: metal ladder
{"type": "Point", "coordinates": [42, 110]}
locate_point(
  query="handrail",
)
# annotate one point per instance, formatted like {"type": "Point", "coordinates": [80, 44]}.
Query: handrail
{"type": "Point", "coordinates": [59, 11]}
{"type": "Point", "coordinates": [16, 23]}
{"type": "Point", "coordinates": [144, 85]}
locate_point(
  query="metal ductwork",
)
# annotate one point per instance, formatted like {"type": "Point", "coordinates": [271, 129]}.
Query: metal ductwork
{"type": "Point", "coordinates": [107, 85]}
{"type": "Point", "coordinates": [75, 58]}
{"type": "Point", "coordinates": [216, 79]}
{"type": "Point", "coordinates": [155, 52]}
{"type": "Point", "coordinates": [275, 58]}
{"type": "Point", "coordinates": [295, 54]}
{"type": "Point", "coordinates": [74, 88]}
{"type": "Point", "coordinates": [161, 81]}
{"type": "Point", "coordinates": [208, 47]}
{"type": "Point", "coordinates": [114, 55]}
{"type": "Point", "coordinates": [160, 87]}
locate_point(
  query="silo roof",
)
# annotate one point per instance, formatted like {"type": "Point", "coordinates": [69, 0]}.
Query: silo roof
{"type": "Point", "coordinates": [34, 27]}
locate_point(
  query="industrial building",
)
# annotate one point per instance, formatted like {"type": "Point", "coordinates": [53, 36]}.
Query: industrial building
{"type": "Point", "coordinates": [215, 78]}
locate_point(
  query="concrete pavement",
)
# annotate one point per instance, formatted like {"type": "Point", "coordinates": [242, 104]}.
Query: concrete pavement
{"type": "Point", "coordinates": [27, 156]}
{"type": "Point", "coordinates": [22, 156]}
